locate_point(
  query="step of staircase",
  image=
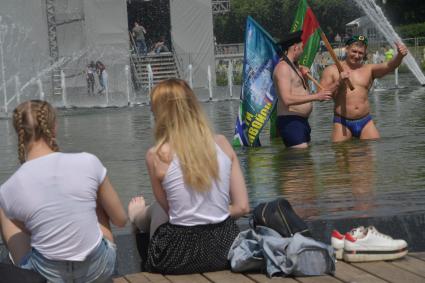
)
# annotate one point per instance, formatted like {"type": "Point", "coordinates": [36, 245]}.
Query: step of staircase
{"type": "Point", "coordinates": [157, 73]}
{"type": "Point", "coordinates": [155, 70]}
{"type": "Point", "coordinates": [57, 82]}
{"type": "Point", "coordinates": [163, 66]}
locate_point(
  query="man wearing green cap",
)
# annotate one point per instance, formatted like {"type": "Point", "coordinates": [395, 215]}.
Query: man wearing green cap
{"type": "Point", "coordinates": [294, 99]}
{"type": "Point", "coordinates": [351, 109]}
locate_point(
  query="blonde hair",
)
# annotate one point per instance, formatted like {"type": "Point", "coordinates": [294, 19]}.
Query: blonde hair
{"type": "Point", "coordinates": [34, 120]}
{"type": "Point", "coordinates": [180, 122]}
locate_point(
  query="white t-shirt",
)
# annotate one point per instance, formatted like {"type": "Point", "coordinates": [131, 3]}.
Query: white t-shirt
{"type": "Point", "coordinates": [55, 197]}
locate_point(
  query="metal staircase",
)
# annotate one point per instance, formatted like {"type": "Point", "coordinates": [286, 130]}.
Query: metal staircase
{"type": "Point", "coordinates": [53, 45]}
{"type": "Point", "coordinates": [163, 67]}
{"type": "Point", "coordinates": [57, 82]}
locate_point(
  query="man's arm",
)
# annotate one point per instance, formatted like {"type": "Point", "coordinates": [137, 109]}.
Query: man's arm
{"type": "Point", "coordinates": [380, 70]}
{"type": "Point", "coordinates": [331, 78]}
{"type": "Point", "coordinates": [283, 84]}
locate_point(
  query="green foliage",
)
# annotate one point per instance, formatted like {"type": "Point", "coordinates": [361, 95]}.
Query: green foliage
{"type": "Point", "coordinates": [221, 78]}
{"type": "Point", "coordinates": [334, 14]}
{"type": "Point", "coordinates": [403, 69]}
{"type": "Point", "coordinates": [237, 79]}
{"type": "Point", "coordinates": [402, 12]}
{"type": "Point", "coordinates": [271, 14]}
{"type": "Point", "coordinates": [412, 30]}
{"type": "Point", "coordinates": [276, 16]}
{"type": "Point", "coordinates": [221, 73]}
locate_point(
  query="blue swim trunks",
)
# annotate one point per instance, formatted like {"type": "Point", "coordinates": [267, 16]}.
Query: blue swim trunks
{"type": "Point", "coordinates": [293, 129]}
{"type": "Point", "coordinates": [355, 126]}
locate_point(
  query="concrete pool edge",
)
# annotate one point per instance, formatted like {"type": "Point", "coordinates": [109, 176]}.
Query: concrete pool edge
{"type": "Point", "coordinates": [409, 227]}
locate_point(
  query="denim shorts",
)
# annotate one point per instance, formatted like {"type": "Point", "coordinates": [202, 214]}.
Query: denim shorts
{"type": "Point", "coordinates": [99, 265]}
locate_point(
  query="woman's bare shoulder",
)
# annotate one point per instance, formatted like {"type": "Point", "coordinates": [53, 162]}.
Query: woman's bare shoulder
{"type": "Point", "coordinates": [163, 154]}
{"type": "Point", "coordinates": [224, 144]}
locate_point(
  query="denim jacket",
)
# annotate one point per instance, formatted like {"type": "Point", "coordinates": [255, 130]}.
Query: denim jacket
{"type": "Point", "coordinates": [265, 250]}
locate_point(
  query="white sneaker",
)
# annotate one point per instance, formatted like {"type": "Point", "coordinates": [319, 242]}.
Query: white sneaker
{"type": "Point", "coordinates": [337, 240]}
{"type": "Point", "coordinates": [370, 245]}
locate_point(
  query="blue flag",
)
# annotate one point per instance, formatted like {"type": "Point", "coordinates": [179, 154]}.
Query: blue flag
{"type": "Point", "coordinates": [258, 96]}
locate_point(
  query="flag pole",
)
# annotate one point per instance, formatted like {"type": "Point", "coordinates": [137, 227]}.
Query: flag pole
{"type": "Point", "coordinates": [335, 58]}
{"type": "Point", "coordinates": [311, 78]}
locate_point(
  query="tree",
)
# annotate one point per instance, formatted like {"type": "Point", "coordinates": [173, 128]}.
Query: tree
{"type": "Point", "coordinates": [271, 14]}
{"type": "Point", "coordinates": [403, 12]}
{"type": "Point", "coordinates": [333, 15]}
{"type": "Point", "coordinates": [276, 17]}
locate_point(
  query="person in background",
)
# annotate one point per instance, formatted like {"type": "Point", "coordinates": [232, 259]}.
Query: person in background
{"type": "Point", "coordinates": [103, 76]}
{"type": "Point", "coordinates": [90, 71]}
{"type": "Point", "coordinates": [198, 186]}
{"type": "Point", "coordinates": [139, 37]}
{"type": "Point", "coordinates": [160, 46]}
{"type": "Point", "coordinates": [294, 103]}
{"type": "Point", "coordinates": [337, 38]}
{"type": "Point", "coordinates": [57, 207]}
{"type": "Point", "coordinates": [388, 53]}
{"type": "Point", "coordinates": [351, 107]}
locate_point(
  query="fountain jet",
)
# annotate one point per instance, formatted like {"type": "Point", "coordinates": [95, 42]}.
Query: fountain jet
{"type": "Point", "coordinates": [376, 15]}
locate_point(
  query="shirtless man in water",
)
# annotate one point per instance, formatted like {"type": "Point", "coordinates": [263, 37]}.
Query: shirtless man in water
{"type": "Point", "coordinates": [352, 110]}
{"type": "Point", "coordinates": [294, 99]}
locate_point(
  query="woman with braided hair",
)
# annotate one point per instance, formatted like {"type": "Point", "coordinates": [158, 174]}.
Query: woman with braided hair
{"type": "Point", "coordinates": [56, 208]}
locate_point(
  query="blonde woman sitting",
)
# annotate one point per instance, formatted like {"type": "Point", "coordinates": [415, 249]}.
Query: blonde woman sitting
{"type": "Point", "coordinates": [198, 186]}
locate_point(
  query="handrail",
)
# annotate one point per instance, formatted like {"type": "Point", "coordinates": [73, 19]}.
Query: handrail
{"type": "Point", "coordinates": [229, 48]}
{"type": "Point", "coordinates": [133, 42]}
{"type": "Point", "coordinates": [177, 59]}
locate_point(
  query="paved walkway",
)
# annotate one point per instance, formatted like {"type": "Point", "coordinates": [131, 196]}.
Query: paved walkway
{"type": "Point", "coordinates": [410, 269]}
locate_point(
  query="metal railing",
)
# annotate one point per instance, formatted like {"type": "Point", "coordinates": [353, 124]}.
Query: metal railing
{"type": "Point", "coordinates": [226, 53]}
{"type": "Point", "coordinates": [416, 46]}
{"type": "Point", "coordinates": [226, 49]}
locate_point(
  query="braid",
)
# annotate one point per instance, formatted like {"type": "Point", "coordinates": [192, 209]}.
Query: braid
{"type": "Point", "coordinates": [46, 123]}
{"type": "Point", "coordinates": [17, 116]}
{"type": "Point", "coordinates": [34, 120]}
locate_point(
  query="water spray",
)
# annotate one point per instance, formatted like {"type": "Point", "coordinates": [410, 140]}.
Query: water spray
{"type": "Point", "coordinates": [376, 15]}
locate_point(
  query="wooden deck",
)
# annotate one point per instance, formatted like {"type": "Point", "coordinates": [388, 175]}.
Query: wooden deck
{"type": "Point", "coordinates": [410, 269]}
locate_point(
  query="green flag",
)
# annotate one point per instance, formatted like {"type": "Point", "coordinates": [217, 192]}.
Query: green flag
{"type": "Point", "coordinates": [306, 20]}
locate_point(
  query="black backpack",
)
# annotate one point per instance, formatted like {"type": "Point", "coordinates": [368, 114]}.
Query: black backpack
{"type": "Point", "coordinates": [279, 216]}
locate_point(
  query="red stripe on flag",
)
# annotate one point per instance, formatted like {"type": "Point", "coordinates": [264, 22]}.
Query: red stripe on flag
{"type": "Point", "coordinates": [310, 25]}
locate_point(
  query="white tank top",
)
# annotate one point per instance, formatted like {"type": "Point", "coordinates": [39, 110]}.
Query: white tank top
{"type": "Point", "coordinates": [188, 207]}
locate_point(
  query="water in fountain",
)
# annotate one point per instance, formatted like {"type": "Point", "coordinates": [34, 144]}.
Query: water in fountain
{"type": "Point", "coordinates": [210, 83]}
{"type": "Point", "coordinates": [376, 15]}
{"type": "Point", "coordinates": [17, 49]}
{"type": "Point", "coordinates": [190, 75]}
{"type": "Point", "coordinates": [31, 74]}
{"type": "Point", "coordinates": [230, 77]}
{"type": "Point", "coordinates": [27, 72]}
{"type": "Point", "coordinates": [376, 83]}
{"type": "Point", "coordinates": [150, 77]}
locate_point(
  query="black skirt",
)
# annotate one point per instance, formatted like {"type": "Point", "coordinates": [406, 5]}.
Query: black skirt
{"type": "Point", "coordinates": [175, 249]}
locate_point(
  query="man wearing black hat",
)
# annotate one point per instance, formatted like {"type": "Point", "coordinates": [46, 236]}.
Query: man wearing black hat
{"type": "Point", "coordinates": [352, 110]}
{"type": "Point", "coordinates": [294, 99]}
